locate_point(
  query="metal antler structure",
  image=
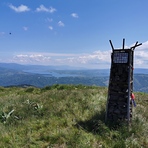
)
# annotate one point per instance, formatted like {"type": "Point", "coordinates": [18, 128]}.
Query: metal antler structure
{"type": "Point", "coordinates": [119, 104]}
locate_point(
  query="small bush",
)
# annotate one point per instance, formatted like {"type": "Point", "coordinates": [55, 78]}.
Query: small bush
{"type": "Point", "coordinates": [29, 90]}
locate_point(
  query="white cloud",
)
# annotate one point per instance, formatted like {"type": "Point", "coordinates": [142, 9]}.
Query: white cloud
{"type": "Point", "coordinates": [25, 28]}
{"type": "Point", "coordinates": [21, 8]}
{"type": "Point", "coordinates": [75, 15]}
{"type": "Point", "coordinates": [97, 59]}
{"type": "Point", "coordinates": [42, 8]}
{"type": "Point", "coordinates": [141, 58]}
{"type": "Point", "coordinates": [31, 58]}
{"type": "Point", "coordinates": [49, 20]}
{"type": "Point", "coordinates": [144, 46]}
{"type": "Point", "coordinates": [61, 24]}
{"type": "Point", "coordinates": [50, 27]}
{"type": "Point", "coordinates": [64, 59]}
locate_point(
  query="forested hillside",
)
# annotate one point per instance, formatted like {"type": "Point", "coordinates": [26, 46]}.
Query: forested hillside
{"type": "Point", "coordinates": [18, 77]}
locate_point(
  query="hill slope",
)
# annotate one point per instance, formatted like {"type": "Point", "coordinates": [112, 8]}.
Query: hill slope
{"type": "Point", "coordinates": [66, 116]}
{"type": "Point", "coordinates": [13, 77]}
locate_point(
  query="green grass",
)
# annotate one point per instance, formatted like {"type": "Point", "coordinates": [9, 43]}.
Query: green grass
{"type": "Point", "coordinates": [66, 116]}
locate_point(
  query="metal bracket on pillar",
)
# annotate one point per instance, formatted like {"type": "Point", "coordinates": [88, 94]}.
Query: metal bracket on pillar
{"type": "Point", "coordinates": [136, 45]}
{"type": "Point", "coordinates": [123, 43]}
{"type": "Point", "coordinates": [111, 45]}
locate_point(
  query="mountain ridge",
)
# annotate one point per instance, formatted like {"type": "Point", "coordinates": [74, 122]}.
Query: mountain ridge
{"type": "Point", "coordinates": [18, 75]}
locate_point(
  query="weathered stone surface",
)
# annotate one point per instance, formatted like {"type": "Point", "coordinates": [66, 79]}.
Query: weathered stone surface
{"type": "Point", "coordinates": [118, 94]}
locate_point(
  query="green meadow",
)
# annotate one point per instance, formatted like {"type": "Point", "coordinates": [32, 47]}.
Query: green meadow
{"type": "Point", "coordinates": [67, 116]}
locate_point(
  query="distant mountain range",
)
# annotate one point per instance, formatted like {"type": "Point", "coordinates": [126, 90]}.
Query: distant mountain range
{"type": "Point", "coordinates": [12, 74]}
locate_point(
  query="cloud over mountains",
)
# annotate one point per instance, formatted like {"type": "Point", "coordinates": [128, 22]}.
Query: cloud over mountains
{"type": "Point", "coordinates": [97, 59]}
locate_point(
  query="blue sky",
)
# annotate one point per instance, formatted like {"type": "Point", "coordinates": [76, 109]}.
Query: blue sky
{"type": "Point", "coordinates": [71, 32]}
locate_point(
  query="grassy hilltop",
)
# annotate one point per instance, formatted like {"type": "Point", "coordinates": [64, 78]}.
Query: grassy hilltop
{"type": "Point", "coordinates": [66, 116]}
